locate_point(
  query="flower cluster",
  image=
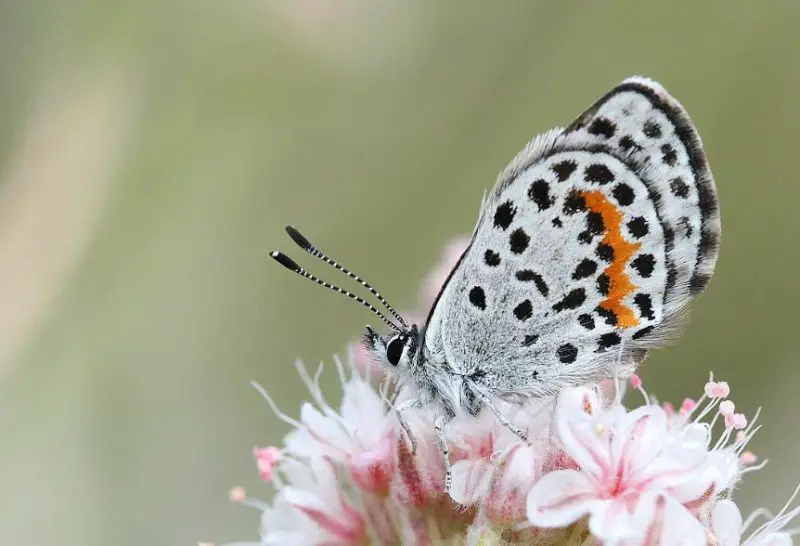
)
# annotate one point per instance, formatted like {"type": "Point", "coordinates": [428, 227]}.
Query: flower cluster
{"type": "Point", "coordinates": [593, 471]}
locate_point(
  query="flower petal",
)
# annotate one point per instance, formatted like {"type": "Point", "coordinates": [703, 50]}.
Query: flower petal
{"type": "Point", "coordinates": [321, 436]}
{"type": "Point", "coordinates": [579, 399]}
{"type": "Point", "coordinates": [364, 408]}
{"type": "Point", "coordinates": [470, 480]}
{"type": "Point", "coordinates": [585, 441]}
{"type": "Point", "coordinates": [680, 527]}
{"type": "Point", "coordinates": [614, 524]}
{"type": "Point", "coordinates": [639, 438]}
{"type": "Point", "coordinates": [726, 522]}
{"type": "Point", "coordinates": [560, 498]}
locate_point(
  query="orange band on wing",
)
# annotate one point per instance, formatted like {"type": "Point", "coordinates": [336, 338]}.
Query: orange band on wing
{"type": "Point", "coordinates": [620, 284]}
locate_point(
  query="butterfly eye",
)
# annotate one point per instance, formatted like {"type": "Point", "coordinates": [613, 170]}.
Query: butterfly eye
{"type": "Point", "coordinates": [394, 350]}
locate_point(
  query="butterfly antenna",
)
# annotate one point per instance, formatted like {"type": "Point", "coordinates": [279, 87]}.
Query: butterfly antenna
{"type": "Point", "coordinates": [291, 265]}
{"type": "Point", "coordinates": [306, 245]}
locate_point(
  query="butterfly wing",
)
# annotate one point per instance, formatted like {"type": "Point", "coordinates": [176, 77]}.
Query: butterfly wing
{"type": "Point", "coordinates": [592, 241]}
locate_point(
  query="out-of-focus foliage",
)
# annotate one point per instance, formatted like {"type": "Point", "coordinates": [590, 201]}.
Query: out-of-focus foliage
{"type": "Point", "coordinates": [152, 152]}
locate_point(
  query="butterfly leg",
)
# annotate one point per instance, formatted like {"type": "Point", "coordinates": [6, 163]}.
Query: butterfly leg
{"type": "Point", "coordinates": [439, 425]}
{"type": "Point", "coordinates": [503, 419]}
{"type": "Point", "coordinates": [400, 411]}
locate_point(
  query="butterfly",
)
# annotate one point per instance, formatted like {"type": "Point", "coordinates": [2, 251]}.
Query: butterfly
{"type": "Point", "coordinates": [585, 255]}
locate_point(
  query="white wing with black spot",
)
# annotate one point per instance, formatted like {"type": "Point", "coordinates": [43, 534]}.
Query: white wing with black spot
{"type": "Point", "coordinates": [593, 239]}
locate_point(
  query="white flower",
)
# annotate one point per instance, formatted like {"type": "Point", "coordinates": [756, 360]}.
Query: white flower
{"type": "Point", "coordinates": [593, 472]}
{"type": "Point", "coordinates": [629, 469]}
{"type": "Point", "coordinates": [360, 425]}
{"type": "Point", "coordinates": [360, 436]}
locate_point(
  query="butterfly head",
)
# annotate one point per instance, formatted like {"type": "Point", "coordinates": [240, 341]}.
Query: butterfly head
{"type": "Point", "coordinates": [394, 350]}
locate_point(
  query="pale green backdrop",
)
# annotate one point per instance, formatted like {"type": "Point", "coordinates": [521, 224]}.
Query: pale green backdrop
{"type": "Point", "coordinates": [152, 151]}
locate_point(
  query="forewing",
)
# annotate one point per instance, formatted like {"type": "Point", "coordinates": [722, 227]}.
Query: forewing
{"type": "Point", "coordinates": [589, 245]}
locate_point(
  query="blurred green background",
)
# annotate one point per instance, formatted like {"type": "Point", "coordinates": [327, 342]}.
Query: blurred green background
{"type": "Point", "coordinates": [153, 151]}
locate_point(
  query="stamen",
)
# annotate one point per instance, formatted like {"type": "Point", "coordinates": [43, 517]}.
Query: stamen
{"type": "Point", "coordinates": [739, 421]}
{"type": "Point", "coordinates": [267, 459]}
{"type": "Point", "coordinates": [599, 429]}
{"type": "Point", "coordinates": [717, 390]}
{"type": "Point", "coordinates": [237, 494]}
{"type": "Point", "coordinates": [754, 468]}
{"type": "Point", "coordinates": [748, 458]}
{"type": "Point", "coordinates": [636, 383]}
{"type": "Point", "coordinates": [727, 407]}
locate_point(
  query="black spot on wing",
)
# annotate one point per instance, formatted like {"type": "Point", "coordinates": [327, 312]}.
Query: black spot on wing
{"type": "Point", "coordinates": [608, 340]}
{"type": "Point", "coordinates": [564, 169]}
{"type": "Point", "coordinates": [603, 284]}
{"type": "Point", "coordinates": [539, 193]}
{"type": "Point", "coordinates": [645, 305]}
{"type": "Point", "coordinates": [567, 353]}
{"type": "Point", "coordinates": [626, 143]}
{"type": "Point", "coordinates": [668, 155]}
{"type": "Point", "coordinates": [526, 275]}
{"type": "Point", "coordinates": [602, 127]}
{"type": "Point", "coordinates": [573, 203]}
{"type": "Point", "coordinates": [491, 258]}
{"type": "Point", "coordinates": [477, 297]}
{"type": "Point", "coordinates": [524, 310]}
{"type": "Point", "coordinates": [605, 252]}
{"type": "Point", "coordinates": [529, 340]}
{"type": "Point", "coordinates": [598, 173]}
{"type": "Point", "coordinates": [572, 300]}
{"type": "Point", "coordinates": [594, 223]}
{"type": "Point", "coordinates": [623, 193]}
{"type": "Point", "coordinates": [518, 241]}
{"type": "Point", "coordinates": [586, 321]}
{"type": "Point", "coordinates": [594, 226]}
{"type": "Point", "coordinates": [609, 316]}
{"type": "Point", "coordinates": [644, 265]}
{"type": "Point", "coordinates": [585, 269]}
{"type": "Point", "coordinates": [679, 188]}
{"type": "Point", "coordinates": [652, 129]}
{"type": "Point", "coordinates": [638, 227]}
{"type": "Point", "coordinates": [504, 215]}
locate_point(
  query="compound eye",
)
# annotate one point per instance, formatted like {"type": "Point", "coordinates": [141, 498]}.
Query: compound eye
{"type": "Point", "coordinates": [394, 350]}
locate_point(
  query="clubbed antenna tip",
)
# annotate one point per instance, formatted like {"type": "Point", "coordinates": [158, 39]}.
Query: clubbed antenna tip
{"type": "Point", "coordinates": [285, 261]}
{"type": "Point", "coordinates": [299, 239]}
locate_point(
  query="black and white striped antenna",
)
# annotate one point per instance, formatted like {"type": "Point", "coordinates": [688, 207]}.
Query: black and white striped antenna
{"type": "Point", "coordinates": [306, 245]}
